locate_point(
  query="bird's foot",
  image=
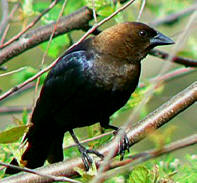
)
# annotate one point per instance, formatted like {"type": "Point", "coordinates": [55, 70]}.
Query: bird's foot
{"type": "Point", "coordinates": [123, 145]}
{"type": "Point", "coordinates": [87, 160]}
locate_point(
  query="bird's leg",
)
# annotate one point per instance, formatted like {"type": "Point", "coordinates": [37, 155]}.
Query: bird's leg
{"type": "Point", "coordinates": [87, 160]}
{"type": "Point", "coordinates": [124, 142]}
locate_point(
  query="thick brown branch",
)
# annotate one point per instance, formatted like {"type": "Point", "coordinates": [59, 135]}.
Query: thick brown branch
{"type": "Point", "coordinates": [179, 60]}
{"type": "Point", "coordinates": [153, 121]}
{"type": "Point", "coordinates": [77, 20]}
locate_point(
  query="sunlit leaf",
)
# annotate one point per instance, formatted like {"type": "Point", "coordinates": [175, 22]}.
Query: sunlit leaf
{"type": "Point", "coordinates": [12, 135]}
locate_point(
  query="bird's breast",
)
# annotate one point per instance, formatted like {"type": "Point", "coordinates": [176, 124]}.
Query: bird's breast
{"type": "Point", "coordinates": [114, 74]}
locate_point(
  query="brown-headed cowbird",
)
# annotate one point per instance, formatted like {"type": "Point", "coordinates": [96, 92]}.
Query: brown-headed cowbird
{"type": "Point", "coordinates": [87, 85]}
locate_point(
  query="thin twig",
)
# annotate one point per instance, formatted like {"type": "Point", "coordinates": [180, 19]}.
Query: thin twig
{"type": "Point", "coordinates": [4, 19]}
{"type": "Point", "coordinates": [142, 6]}
{"type": "Point", "coordinates": [50, 177]}
{"type": "Point", "coordinates": [30, 25]}
{"type": "Point", "coordinates": [94, 11]}
{"type": "Point", "coordinates": [4, 34]}
{"type": "Point", "coordinates": [12, 72]}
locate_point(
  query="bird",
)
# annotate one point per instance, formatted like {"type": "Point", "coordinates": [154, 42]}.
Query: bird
{"type": "Point", "coordinates": [87, 85]}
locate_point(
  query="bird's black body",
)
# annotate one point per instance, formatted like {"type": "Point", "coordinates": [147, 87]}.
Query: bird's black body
{"type": "Point", "coordinates": [87, 85]}
{"type": "Point", "coordinates": [74, 96]}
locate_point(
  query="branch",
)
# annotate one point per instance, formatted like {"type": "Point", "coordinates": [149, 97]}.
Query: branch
{"type": "Point", "coordinates": [14, 109]}
{"type": "Point", "coordinates": [179, 60]}
{"type": "Point", "coordinates": [143, 3]}
{"type": "Point", "coordinates": [4, 19]}
{"type": "Point", "coordinates": [175, 16]}
{"type": "Point", "coordinates": [154, 120]}
{"type": "Point", "coordinates": [74, 21]}
{"type": "Point", "coordinates": [50, 177]}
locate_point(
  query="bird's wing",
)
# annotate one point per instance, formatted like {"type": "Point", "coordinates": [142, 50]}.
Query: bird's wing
{"type": "Point", "coordinates": [62, 82]}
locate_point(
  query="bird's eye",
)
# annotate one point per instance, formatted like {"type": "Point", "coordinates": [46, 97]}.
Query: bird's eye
{"type": "Point", "coordinates": [142, 33]}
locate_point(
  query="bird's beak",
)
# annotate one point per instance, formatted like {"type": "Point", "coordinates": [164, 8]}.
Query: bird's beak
{"type": "Point", "coordinates": [160, 39]}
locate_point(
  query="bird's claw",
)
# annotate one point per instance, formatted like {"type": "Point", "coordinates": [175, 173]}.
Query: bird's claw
{"type": "Point", "coordinates": [87, 160]}
{"type": "Point", "coordinates": [123, 145]}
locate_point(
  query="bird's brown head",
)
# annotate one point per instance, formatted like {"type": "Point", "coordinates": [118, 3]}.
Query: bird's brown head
{"type": "Point", "coordinates": [131, 41]}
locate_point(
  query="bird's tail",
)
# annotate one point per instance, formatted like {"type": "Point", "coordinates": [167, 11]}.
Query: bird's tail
{"type": "Point", "coordinates": [42, 144]}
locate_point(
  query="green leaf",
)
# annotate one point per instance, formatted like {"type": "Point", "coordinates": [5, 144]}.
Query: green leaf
{"type": "Point", "coordinates": [25, 117]}
{"type": "Point", "coordinates": [105, 11]}
{"type": "Point", "coordinates": [74, 5]}
{"type": "Point", "coordinates": [39, 7]}
{"type": "Point", "coordinates": [27, 73]}
{"type": "Point", "coordinates": [56, 45]}
{"type": "Point", "coordinates": [24, 74]}
{"type": "Point", "coordinates": [12, 135]}
{"type": "Point", "coordinates": [139, 175]}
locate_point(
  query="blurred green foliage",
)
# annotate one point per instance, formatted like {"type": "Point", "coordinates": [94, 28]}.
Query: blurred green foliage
{"type": "Point", "coordinates": [162, 8]}
{"type": "Point", "coordinates": [27, 73]}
